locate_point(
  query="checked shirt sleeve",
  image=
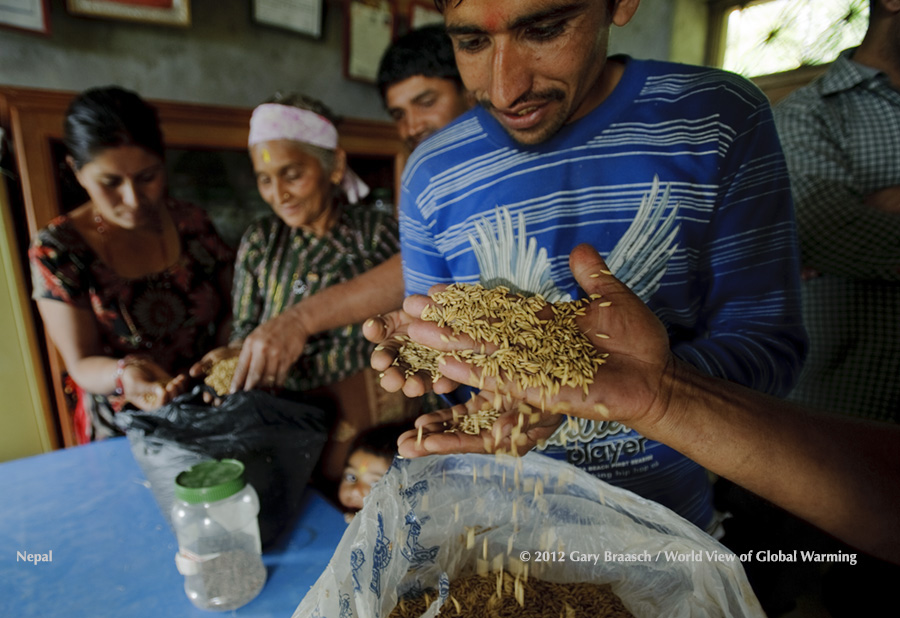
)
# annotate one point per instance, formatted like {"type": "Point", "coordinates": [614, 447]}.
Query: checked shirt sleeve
{"type": "Point", "coordinates": [839, 234]}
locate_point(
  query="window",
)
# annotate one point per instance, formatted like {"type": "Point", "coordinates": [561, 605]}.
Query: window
{"type": "Point", "coordinates": [773, 36]}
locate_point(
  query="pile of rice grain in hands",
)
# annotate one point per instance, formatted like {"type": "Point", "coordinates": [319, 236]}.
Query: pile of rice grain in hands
{"type": "Point", "coordinates": [532, 351]}
{"type": "Point", "coordinates": [500, 595]}
{"type": "Point", "coordinates": [220, 375]}
{"type": "Point", "coordinates": [537, 346]}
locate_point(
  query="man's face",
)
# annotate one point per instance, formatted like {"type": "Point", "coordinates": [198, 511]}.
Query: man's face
{"type": "Point", "coordinates": [423, 105]}
{"type": "Point", "coordinates": [534, 64]}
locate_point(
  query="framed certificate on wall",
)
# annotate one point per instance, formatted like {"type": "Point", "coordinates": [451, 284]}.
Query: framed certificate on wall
{"type": "Point", "coordinates": [163, 12]}
{"type": "Point", "coordinates": [27, 15]}
{"type": "Point", "coordinates": [422, 13]}
{"type": "Point", "coordinates": [368, 31]}
{"type": "Point", "coordinates": [303, 16]}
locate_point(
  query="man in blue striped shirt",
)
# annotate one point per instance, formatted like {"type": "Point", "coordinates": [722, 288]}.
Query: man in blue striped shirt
{"type": "Point", "coordinates": [566, 142]}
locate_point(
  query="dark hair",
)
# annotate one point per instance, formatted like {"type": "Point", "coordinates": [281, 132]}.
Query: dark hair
{"type": "Point", "coordinates": [440, 5]}
{"type": "Point", "coordinates": [110, 117]}
{"type": "Point", "coordinates": [380, 440]}
{"type": "Point", "coordinates": [425, 51]}
{"type": "Point", "coordinates": [874, 10]}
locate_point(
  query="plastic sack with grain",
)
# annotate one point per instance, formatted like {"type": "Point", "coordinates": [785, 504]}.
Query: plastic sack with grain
{"type": "Point", "coordinates": [432, 520]}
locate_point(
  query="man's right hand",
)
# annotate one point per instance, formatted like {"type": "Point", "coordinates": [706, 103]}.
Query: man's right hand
{"type": "Point", "coordinates": [384, 330]}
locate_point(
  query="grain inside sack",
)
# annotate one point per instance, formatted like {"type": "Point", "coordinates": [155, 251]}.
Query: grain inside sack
{"type": "Point", "coordinates": [501, 594]}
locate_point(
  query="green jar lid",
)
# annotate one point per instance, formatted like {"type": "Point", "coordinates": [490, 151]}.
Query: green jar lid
{"type": "Point", "coordinates": [210, 481]}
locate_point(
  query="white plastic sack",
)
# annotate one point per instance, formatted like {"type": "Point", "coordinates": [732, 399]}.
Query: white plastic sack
{"type": "Point", "coordinates": [413, 531]}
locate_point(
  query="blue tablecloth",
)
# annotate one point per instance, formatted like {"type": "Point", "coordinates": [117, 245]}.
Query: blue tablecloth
{"type": "Point", "coordinates": [112, 550]}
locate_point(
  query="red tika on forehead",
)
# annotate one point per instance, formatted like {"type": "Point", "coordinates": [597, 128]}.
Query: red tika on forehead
{"type": "Point", "coordinates": [493, 19]}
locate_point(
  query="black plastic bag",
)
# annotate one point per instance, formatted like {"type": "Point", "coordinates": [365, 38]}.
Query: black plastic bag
{"type": "Point", "coordinates": [278, 440]}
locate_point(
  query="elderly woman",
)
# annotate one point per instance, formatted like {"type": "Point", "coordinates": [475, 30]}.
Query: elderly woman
{"type": "Point", "coordinates": [318, 235]}
{"type": "Point", "coordinates": [132, 286]}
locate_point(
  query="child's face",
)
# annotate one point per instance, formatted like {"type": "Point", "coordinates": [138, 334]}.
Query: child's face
{"type": "Point", "coordinates": [362, 471]}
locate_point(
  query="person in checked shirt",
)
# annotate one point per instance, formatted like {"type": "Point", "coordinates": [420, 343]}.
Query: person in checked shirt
{"type": "Point", "coordinates": [841, 138]}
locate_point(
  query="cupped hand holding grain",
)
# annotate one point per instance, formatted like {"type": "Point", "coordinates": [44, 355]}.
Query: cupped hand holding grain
{"type": "Point", "coordinates": [202, 368]}
{"type": "Point", "coordinates": [147, 385]}
{"type": "Point", "coordinates": [389, 332]}
{"type": "Point", "coordinates": [629, 387]}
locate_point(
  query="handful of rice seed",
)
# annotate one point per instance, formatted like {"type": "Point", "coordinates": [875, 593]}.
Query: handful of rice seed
{"type": "Point", "coordinates": [532, 351]}
{"type": "Point", "coordinates": [220, 375]}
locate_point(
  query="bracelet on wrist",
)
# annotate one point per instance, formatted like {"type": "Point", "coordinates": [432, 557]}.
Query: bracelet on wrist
{"type": "Point", "coordinates": [121, 365]}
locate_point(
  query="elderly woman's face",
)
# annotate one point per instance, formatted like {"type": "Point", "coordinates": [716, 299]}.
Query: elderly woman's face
{"type": "Point", "coordinates": [294, 184]}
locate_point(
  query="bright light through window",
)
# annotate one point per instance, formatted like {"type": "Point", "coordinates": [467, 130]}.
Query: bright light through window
{"type": "Point", "coordinates": [780, 35]}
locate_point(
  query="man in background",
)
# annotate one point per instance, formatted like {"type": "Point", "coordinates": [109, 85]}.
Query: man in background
{"type": "Point", "coordinates": [420, 84]}
{"type": "Point", "coordinates": [841, 138]}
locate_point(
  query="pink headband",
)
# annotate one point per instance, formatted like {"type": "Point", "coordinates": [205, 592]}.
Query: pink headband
{"type": "Point", "coordinates": [273, 121]}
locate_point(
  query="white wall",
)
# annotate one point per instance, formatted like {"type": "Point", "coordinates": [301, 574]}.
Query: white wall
{"type": "Point", "coordinates": [649, 33]}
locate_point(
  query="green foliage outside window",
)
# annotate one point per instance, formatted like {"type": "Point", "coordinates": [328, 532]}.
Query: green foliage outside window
{"type": "Point", "coordinates": [771, 36]}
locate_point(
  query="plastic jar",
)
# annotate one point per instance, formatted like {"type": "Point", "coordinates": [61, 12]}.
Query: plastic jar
{"type": "Point", "coordinates": [215, 520]}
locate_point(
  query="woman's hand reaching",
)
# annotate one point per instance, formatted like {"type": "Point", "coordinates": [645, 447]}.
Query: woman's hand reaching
{"type": "Point", "coordinates": [147, 386]}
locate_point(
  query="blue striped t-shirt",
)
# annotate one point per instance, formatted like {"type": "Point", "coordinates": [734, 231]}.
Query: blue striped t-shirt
{"type": "Point", "coordinates": [730, 296]}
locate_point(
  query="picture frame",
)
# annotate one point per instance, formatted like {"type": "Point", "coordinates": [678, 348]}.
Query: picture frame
{"type": "Point", "coordinates": [26, 15]}
{"type": "Point", "coordinates": [423, 13]}
{"type": "Point", "coordinates": [302, 16]}
{"type": "Point", "coordinates": [160, 12]}
{"type": "Point", "coordinates": [368, 31]}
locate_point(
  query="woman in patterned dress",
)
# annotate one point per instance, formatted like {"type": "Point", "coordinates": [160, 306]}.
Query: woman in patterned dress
{"type": "Point", "coordinates": [318, 235]}
{"type": "Point", "coordinates": [131, 286]}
